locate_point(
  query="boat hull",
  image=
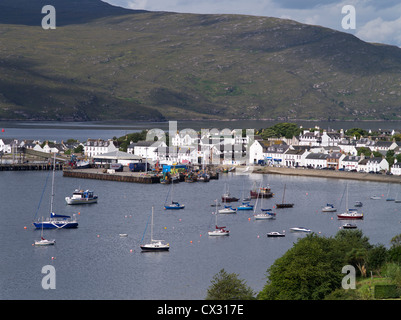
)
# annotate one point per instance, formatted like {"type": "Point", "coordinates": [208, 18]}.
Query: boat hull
{"type": "Point", "coordinates": [146, 248]}
{"type": "Point", "coordinates": [230, 199]}
{"type": "Point", "coordinates": [55, 225]}
{"type": "Point", "coordinates": [264, 217]}
{"type": "Point", "coordinates": [174, 207]}
{"type": "Point", "coordinates": [80, 201]}
{"type": "Point", "coordinates": [300, 230]}
{"type": "Point", "coordinates": [45, 242]}
{"type": "Point", "coordinates": [255, 194]}
{"type": "Point", "coordinates": [349, 226]}
{"type": "Point", "coordinates": [344, 217]}
{"type": "Point", "coordinates": [244, 208]}
{"type": "Point", "coordinates": [275, 235]}
{"type": "Point", "coordinates": [218, 234]}
{"type": "Point", "coordinates": [284, 205]}
{"type": "Point", "coordinates": [227, 211]}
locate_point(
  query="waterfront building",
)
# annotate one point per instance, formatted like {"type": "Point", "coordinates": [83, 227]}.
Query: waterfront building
{"type": "Point", "coordinates": [295, 157]}
{"type": "Point", "coordinates": [375, 164]}
{"type": "Point", "coordinates": [349, 163]}
{"type": "Point", "coordinates": [316, 160]}
{"type": "Point", "coordinates": [94, 147]}
{"type": "Point", "coordinates": [146, 149]}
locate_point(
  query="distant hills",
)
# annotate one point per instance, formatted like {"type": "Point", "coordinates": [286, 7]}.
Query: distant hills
{"type": "Point", "coordinates": [109, 63]}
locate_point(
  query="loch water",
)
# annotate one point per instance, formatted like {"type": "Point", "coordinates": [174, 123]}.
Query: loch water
{"type": "Point", "coordinates": [94, 262]}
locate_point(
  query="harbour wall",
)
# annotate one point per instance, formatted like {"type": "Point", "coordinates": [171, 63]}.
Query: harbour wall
{"type": "Point", "coordinates": [117, 176]}
{"type": "Point", "coordinates": [333, 174]}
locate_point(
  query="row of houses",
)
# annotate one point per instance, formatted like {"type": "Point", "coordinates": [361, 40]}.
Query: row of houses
{"type": "Point", "coordinates": [312, 148]}
{"type": "Point", "coordinates": [315, 157]}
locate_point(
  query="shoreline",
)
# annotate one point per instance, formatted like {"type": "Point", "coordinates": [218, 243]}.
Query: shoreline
{"type": "Point", "coordinates": [329, 174]}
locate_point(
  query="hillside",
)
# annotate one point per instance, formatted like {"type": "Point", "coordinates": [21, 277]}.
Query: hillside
{"type": "Point", "coordinates": [104, 63]}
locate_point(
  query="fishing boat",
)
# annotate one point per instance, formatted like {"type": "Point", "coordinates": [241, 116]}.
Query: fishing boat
{"type": "Point", "coordinates": [329, 208]}
{"type": "Point", "coordinates": [228, 198]}
{"type": "Point", "coordinates": [81, 197]}
{"type": "Point", "coordinates": [245, 206]}
{"type": "Point", "coordinates": [282, 204]}
{"type": "Point", "coordinates": [300, 229]}
{"type": "Point", "coordinates": [275, 234]}
{"type": "Point", "coordinates": [56, 221]}
{"type": "Point", "coordinates": [154, 245]}
{"type": "Point", "coordinates": [82, 164]}
{"type": "Point", "coordinates": [228, 209]}
{"type": "Point", "coordinates": [218, 231]}
{"type": "Point", "coordinates": [349, 226]}
{"type": "Point", "coordinates": [262, 192]}
{"type": "Point", "coordinates": [43, 241]}
{"type": "Point", "coordinates": [349, 213]}
{"type": "Point", "coordinates": [174, 204]}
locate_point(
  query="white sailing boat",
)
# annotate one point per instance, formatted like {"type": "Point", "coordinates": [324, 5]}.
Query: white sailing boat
{"type": "Point", "coordinates": [265, 214]}
{"type": "Point", "coordinates": [350, 213]}
{"type": "Point", "coordinates": [219, 231]}
{"type": "Point", "coordinates": [43, 241]}
{"type": "Point", "coordinates": [56, 221]}
{"type": "Point", "coordinates": [329, 208]}
{"type": "Point", "coordinates": [154, 245]}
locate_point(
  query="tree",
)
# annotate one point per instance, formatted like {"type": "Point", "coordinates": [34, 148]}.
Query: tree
{"type": "Point", "coordinates": [394, 252]}
{"type": "Point", "coordinates": [310, 270]}
{"type": "Point", "coordinates": [365, 150]}
{"type": "Point", "coordinates": [376, 257]}
{"type": "Point", "coordinates": [227, 286]}
{"type": "Point", "coordinates": [357, 132]}
{"type": "Point", "coordinates": [390, 157]}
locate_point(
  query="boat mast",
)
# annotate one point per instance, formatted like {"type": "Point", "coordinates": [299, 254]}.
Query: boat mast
{"type": "Point", "coordinates": [151, 228]}
{"type": "Point", "coordinates": [52, 195]}
{"type": "Point", "coordinates": [283, 194]}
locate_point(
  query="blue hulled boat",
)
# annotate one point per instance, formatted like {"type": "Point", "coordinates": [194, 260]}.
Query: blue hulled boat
{"type": "Point", "coordinates": [245, 206]}
{"type": "Point", "coordinates": [57, 221]}
{"type": "Point", "coordinates": [174, 206]}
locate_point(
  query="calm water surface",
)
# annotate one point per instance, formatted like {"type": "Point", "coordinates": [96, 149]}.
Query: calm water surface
{"type": "Point", "coordinates": [94, 262]}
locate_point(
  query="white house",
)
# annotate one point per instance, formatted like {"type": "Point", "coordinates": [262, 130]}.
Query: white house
{"type": "Point", "coordinates": [275, 154]}
{"type": "Point", "coordinates": [6, 145]}
{"type": "Point", "coordinates": [396, 169]}
{"type": "Point", "coordinates": [295, 157]}
{"type": "Point", "coordinates": [384, 146]}
{"type": "Point", "coordinates": [348, 147]}
{"type": "Point", "coordinates": [316, 160]}
{"type": "Point", "coordinates": [257, 151]}
{"type": "Point", "coordinates": [94, 147]}
{"type": "Point", "coordinates": [349, 163]}
{"type": "Point", "coordinates": [330, 139]}
{"type": "Point", "coordinates": [311, 139]}
{"type": "Point", "coordinates": [146, 149]}
{"type": "Point", "coordinates": [374, 164]}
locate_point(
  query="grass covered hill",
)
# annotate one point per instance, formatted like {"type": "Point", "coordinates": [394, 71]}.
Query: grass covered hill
{"type": "Point", "coordinates": [104, 62]}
